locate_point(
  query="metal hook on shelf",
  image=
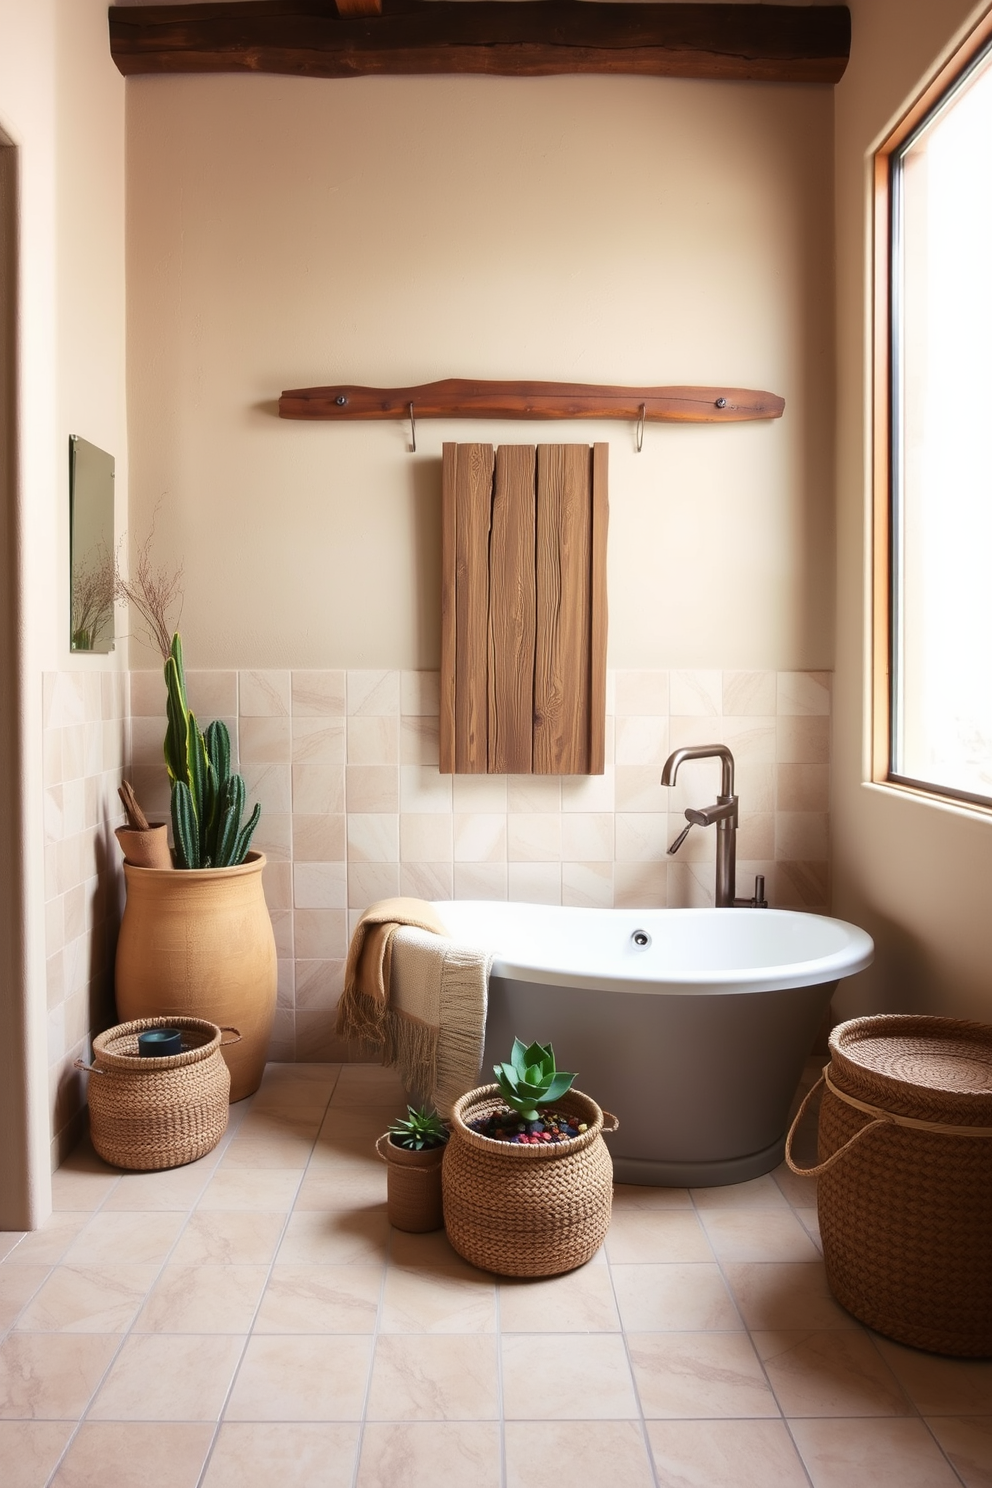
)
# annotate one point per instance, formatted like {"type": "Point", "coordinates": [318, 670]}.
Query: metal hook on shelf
{"type": "Point", "coordinates": [640, 429]}
{"type": "Point", "coordinates": [413, 431]}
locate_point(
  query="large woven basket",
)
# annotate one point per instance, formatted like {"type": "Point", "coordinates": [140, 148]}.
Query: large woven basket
{"type": "Point", "coordinates": [158, 1113]}
{"type": "Point", "coordinates": [527, 1210]}
{"type": "Point", "coordinates": [905, 1190]}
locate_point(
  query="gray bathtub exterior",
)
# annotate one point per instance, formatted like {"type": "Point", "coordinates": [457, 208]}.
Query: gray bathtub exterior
{"type": "Point", "coordinates": [701, 1084]}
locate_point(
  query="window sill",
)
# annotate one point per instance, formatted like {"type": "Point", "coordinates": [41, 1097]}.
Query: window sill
{"type": "Point", "coordinates": [972, 810]}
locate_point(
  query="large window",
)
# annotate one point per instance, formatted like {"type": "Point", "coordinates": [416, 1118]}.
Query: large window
{"type": "Point", "coordinates": [935, 182]}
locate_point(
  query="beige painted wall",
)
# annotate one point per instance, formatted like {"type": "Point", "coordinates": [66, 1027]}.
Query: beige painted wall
{"type": "Point", "coordinates": [917, 876]}
{"type": "Point", "coordinates": [61, 107]}
{"type": "Point", "coordinates": [284, 233]}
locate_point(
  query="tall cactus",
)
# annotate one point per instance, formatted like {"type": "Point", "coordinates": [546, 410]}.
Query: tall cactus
{"type": "Point", "coordinates": [208, 802]}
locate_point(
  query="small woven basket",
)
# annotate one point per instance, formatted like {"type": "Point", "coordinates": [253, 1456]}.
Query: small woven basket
{"type": "Point", "coordinates": [905, 1190]}
{"type": "Point", "coordinates": [527, 1210]}
{"type": "Point", "coordinates": [148, 1113]}
{"type": "Point", "coordinates": [413, 1186]}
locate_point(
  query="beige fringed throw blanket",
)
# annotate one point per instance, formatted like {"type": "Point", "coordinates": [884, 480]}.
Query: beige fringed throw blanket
{"type": "Point", "coordinates": [418, 999]}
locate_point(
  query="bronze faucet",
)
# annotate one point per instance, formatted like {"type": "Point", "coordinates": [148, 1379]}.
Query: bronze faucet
{"type": "Point", "coordinates": [724, 814]}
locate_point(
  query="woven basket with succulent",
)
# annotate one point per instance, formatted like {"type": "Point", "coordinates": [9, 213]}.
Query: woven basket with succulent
{"type": "Point", "coordinates": [413, 1150]}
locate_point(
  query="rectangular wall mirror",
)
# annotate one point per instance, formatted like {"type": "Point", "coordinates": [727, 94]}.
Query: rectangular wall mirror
{"type": "Point", "coordinates": [91, 547]}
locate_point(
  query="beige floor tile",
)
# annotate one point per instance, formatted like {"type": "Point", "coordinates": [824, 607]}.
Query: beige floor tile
{"type": "Point", "coordinates": [875, 1454]}
{"type": "Point", "coordinates": [434, 1377]}
{"type": "Point", "coordinates": [89, 1299]}
{"type": "Point", "coordinates": [229, 1237]}
{"type": "Point", "coordinates": [82, 1190]}
{"type": "Point", "coordinates": [810, 1221]}
{"type": "Point", "coordinates": [756, 1193]}
{"type": "Point", "coordinates": [440, 1300]}
{"type": "Point", "coordinates": [355, 1188]}
{"type": "Point", "coordinates": [674, 1297]}
{"type": "Point", "coordinates": [800, 1192]}
{"type": "Point", "coordinates": [48, 1244]}
{"type": "Point", "coordinates": [126, 1238]}
{"type": "Point", "coordinates": [9, 1240]}
{"type": "Point", "coordinates": [368, 1085]}
{"type": "Point", "coordinates": [584, 1454]}
{"type": "Point", "coordinates": [967, 1444]}
{"type": "Point", "coordinates": [430, 1454]}
{"type": "Point", "coordinates": [427, 1252]}
{"type": "Point", "coordinates": [725, 1454]}
{"type": "Point", "coordinates": [566, 1377]}
{"type": "Point", "coordinates": [168, 1377]}
{"type": "Point", "coordinates": [640, 1196]}
{"type": "Point", "coordinates": [260, 1124]}
{"type": "Point", "coordinates": [700, 1375]}
{"type": "Point", "coordinates": [203, 1299]}
{"type": "Point", "coordinates": [51, 1376]}
{"type": "Point", "coordinates": [301, 1379]}
{"type": "Point", "coordinates": [30, 1449]}
{"type": "Point", "coordinates": [336, 1237]}
{"type": "Point", "coordinates": [580, 1302]}
{"type": "Point", "coordinates": [284, 1151]}
{"type": "Point", "coordinates": [752, 1235]}
{"type": "Point", "coordinates": [638, 1235]}
{"type": "Point", "coordinates": [938, 1386]}
{"type": "Point", "coordinates": [177, 1188]}
{"type": "Point", "coordinates": [271, 1190]}
{"type": "Point", "coordinates": [18, 1285]}
{"type": "Point", "coordinates": [304, 1454]}
{"type": "Point", "coordinates": [792, 1294]}
{"type": "Point", "coordinates": [135, 1454]}
{"type": "Point", "coordinates": [320, 1299]}
{"type": "Point", "coordinates": [837, 1373]}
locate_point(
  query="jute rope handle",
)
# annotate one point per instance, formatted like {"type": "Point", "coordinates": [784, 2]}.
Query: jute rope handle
{"type": "Point", "coordinates": [224, 1044]}
{"type": "Point", "coordinates": [882, 1118]}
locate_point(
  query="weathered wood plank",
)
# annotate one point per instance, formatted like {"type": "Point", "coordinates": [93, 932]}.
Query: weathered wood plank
{"type": "Point", "coordinates": [359, 7]}
{"type": "Point", "coordinates": [307, 38]}
{"type": "Point", "coordinates": [561, 672]}
{"type": "Point", "coordinates": [512, 612]}
{"type": "Point", "coordinates": [449, 639]}
{"type": "Point", "coordinates": [456, 397]}
{"type": "Point", "coordinates": [598, 610]}
{"type": "Point", "coordinates": [472, 495]}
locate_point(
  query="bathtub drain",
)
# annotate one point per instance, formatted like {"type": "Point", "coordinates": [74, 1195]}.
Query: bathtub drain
{"type": "Point", "coordinates": [641, 939]}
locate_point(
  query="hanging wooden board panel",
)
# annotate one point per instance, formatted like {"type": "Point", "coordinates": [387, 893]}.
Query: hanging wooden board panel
{"type": "Point", "coordinates": [523, 609]}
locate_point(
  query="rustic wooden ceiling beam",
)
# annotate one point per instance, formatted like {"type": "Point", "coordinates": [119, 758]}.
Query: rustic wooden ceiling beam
{"type": "Point", "coordinates": [359, 7]}
{"type": "Point", "coordinates": [309, 38]}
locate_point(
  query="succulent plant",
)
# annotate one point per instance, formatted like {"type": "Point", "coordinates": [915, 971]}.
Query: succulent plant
{"type": "Point", "coordinates": [208, 802]}
{"type": "Point", "coordinates": [531, 1078]}
{"type": "Point", "coordinates": [420, 1130]}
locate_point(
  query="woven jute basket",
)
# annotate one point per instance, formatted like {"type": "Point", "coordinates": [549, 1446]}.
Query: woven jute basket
{"type": "Point", "coordinates": [148, 1113]}
{"type": "Point", "coordinates": [905, 1178]}
{"type": "Point", "coordinates": [413, 1186]}
{"type": "Point", "coordinates": [527, 1210]}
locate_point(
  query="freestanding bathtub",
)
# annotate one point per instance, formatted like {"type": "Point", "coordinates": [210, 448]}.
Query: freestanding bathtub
{"type": "Point", "coordinates": [691, 1025]}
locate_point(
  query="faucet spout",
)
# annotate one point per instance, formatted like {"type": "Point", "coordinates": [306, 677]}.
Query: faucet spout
{"type": "Point", "coordinates": [702, 751]}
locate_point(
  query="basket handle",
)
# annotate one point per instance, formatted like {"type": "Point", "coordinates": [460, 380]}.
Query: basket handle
{"type": "Point", "coordinates": [614, 1124]}
{"type": "Point", "coordinates": [81, 1064]}
{"type": "Point", "coordinates": [834, 1156]}
{"type": "Point", "coordinates": [227, 1028]}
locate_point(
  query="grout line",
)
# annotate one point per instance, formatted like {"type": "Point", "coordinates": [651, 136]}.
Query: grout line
{"type": "Point", "coordinates": [642, 1419]}
{"type": "Point", "coordinates": [265, 1285]}
{"type": "Point", "coordinates": [500, 1402]}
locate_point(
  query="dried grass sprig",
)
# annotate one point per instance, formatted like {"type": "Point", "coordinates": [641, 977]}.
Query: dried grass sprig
{"type": "Point", "coordinates": [154, 592]}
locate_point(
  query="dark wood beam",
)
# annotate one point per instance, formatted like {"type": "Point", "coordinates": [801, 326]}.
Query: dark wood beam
{"type": "Point", "coordinates": [458, 397]}
{"type": "Point", "coordinates": [309, 38]}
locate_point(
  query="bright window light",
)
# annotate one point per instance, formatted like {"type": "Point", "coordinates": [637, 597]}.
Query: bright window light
{"type": "Point", "coordinates": [941, 454]}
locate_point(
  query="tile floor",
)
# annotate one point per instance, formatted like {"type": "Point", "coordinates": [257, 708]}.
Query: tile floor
{"type": "Point", "coordinates": [251, 1321]}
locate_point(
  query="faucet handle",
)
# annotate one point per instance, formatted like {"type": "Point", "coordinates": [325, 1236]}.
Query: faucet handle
{"type": "Point", "coordinates": [680, 839]}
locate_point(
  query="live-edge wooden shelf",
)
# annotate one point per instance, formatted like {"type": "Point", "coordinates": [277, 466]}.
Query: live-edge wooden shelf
{"type": "Point", "coordinates": [460, 398]}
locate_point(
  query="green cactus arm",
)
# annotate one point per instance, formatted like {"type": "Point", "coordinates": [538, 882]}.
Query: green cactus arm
{"type": "Point", "coordinates": [244, 839]}
{"type": "Point", "coordinates": [177, 728]}
{"type": "Point", "coordinates": [230, 822]}
{"type": "Point", "coordinates": [185, 830]}
{"type": "Point", "coordinates": [197, 768]}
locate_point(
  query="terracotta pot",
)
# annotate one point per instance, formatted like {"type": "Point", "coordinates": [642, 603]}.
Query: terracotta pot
{"type": "Point", "coordinates": [198, 943]}
{"type": "Point", "coordinates": [148, 849]}
{"type": "Point", "coordinates": [413, 1186]}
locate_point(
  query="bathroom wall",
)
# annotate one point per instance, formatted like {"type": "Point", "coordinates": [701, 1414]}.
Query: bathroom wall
{"type": "Point", "coordinates": [914, 873]}
{"type": "Point", "coordinates": [286, 232]}
{"type": "Point", "coordinates": [354, 809]}
{"type": "Point", "coordinates": [62, 112]}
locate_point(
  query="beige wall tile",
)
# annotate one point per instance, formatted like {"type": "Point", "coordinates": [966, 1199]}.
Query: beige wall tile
{"type": "Point", "coordinates": [803, 787]}
{"type": "Point", "coordinates": [423, 789]}
{"type": "Point", "coordinates": [274, 837]}
{"type": "Point", "coordinates": [320, 886]}
{"type": "Point", "coordinates": [748, 693]}
{"type": "Point", "coordinates": [540, 793]}
{"type": "Point", "coordinates": [265, 741]}
{"type": "Point", "coordinates": [419, 741]}
{"type": "Point", "coordinates": [318, 694]}
{"type": "Point", "coordinates": [478, 793]}
{"type": "Point", "coordinates": [318, 741]}
{"type": "Point", "coordinates": [373, 837]}
{"type": "Point", "coordinates": [318, 789]}
{"type": "Point", "coordinates": [368, 882]}
{"type": "Point", "coordinates": [479, 837]}
{"type": "Point", "coordinates": [533, 837]}
{"type": "Point", "coordinates": [277, 880]}
{"type": "Point", "coordinates": [696, 693]}
{"type": "Point", "coordinates": [480, 881]}
{"type": "Point", "coordinates": [639, 692]}
{"type": "Point", "coordinates": [801, 836]}
{"type": "Point", "coordinates": [587, 885]}
{"type": "Point", "coordinates": [319, 984]}
{"type": "Point", "coordinates": [640, 885]}
{"type": "Point", "coordinates": [588, 792]}
{"type": "Point", "coordinates": [374, 692]}
{"type": "Point", "coordinates": [534, 883]}
{"type": "Point", "coordinates": [803, 739]}
{"type": "Point", "coordinates": [426, 837]}
{"type": "Point", "coordinates": [264, 694]}
{"type": "Point", "coordinates": [372, 788]}
{"type": "Point", "coordinates": [212, 695]}
{"type": "Point", "coordinates": [373, 740]}
{"type": "Point", "coordinates": [427, 880]}
{"type": "Point", "coordinates": [419, 693]}
{"type": "Point", "coordinates": [642, 741]}
{"type": "Point", "coordinates": [641, 837]}
{"type": "Point", "coordinates": [804, 692]}
{"type": "Point", "coordinates": [320, 934]}
{"type": "Point", "coordinates": [319, 839]}
{"type": "Point", "coordinates": [270, 785]}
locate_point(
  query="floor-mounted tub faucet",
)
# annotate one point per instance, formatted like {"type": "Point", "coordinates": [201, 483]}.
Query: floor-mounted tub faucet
{"type": "Point", "coordinates": [724, 814]}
